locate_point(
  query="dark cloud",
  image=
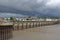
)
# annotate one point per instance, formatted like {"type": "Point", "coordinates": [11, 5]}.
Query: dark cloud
{"type": "Point", "coordinates": [11, 15]}
{"type": "Point", "coordinates": [41, 6]}
{"type": "Point", "coordinates": [23, 4]}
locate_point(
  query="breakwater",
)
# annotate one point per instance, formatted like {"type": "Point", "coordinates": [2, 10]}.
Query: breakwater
{"type": "Point", "coordinates": [31, 24]}
{"type": "Point", "coordinates": [6, 32]}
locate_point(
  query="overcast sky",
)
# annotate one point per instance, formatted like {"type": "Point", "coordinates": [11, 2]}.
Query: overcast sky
{"type": "Point", "coordinates": [42, 6]}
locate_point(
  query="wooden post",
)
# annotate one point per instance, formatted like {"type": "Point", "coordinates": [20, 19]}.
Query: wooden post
{"type": "Point", "coordinates": [30, 25]}
{"type": "Point", "coordinates": [26, 25]}
{"type": "Point", "coordinates": [39, 24]}
{"type": "Point", "coordinates": [36, 24]}
{"type": "Point", "coordinates": [33, 24]}
{"type": "Point", "coordinates": [22, 26]}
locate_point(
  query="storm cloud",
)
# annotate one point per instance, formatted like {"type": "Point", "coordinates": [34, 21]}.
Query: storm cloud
{"type": "Point", "coordinates": [23, 4]}
{"type": "Point", "coordinates": [41, 6]}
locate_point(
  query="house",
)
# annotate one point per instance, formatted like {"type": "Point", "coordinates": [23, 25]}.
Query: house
{"type": "Point", "coordinates": [1, 19]}
{"type": "Point", "coordinates": [49, 19]}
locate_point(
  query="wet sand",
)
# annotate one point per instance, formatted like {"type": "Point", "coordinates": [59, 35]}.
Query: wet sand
{"type": "Point", "coordinates": [51, 32]}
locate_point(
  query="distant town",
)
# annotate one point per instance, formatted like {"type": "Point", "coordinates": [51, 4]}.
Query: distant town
{"type": "Point", "coordinates": [29, 18]}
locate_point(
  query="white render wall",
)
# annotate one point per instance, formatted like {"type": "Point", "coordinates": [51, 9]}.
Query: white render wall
{"type": "Point", "coordinates": [51, 19]}
{"type": "Point", "coordinates": [48, 19]}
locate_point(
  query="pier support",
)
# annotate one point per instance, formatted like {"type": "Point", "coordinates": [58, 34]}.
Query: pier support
{"type": "Point", "coordinates": [6, 32]}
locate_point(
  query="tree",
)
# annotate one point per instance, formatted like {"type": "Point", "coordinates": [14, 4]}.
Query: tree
{"type": "Point", "coordinates": [38, 17]}
{"type": "Point", "coordinates": [11, 18]}
{"type": "Point", "coordinates": [29, 16]}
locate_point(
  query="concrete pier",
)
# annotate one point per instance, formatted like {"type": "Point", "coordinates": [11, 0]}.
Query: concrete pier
{"type": "Point", "coordinates": [32, 24]}
{"type": "Point", "coordinates": [6, 31]}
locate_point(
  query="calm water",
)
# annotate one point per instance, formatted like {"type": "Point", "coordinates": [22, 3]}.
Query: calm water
{"type": "Point", "coordinates": [44, 33]}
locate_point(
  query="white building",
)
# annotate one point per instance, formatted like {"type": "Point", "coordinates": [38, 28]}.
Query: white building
{"type": "Point", "coordinates": [48, 19]}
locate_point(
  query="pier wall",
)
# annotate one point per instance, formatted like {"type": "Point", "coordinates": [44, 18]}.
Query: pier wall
{"type": "Point", "coordinates": [6, 32]}
{"type": "Point", "coordinates": [31, 24]}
